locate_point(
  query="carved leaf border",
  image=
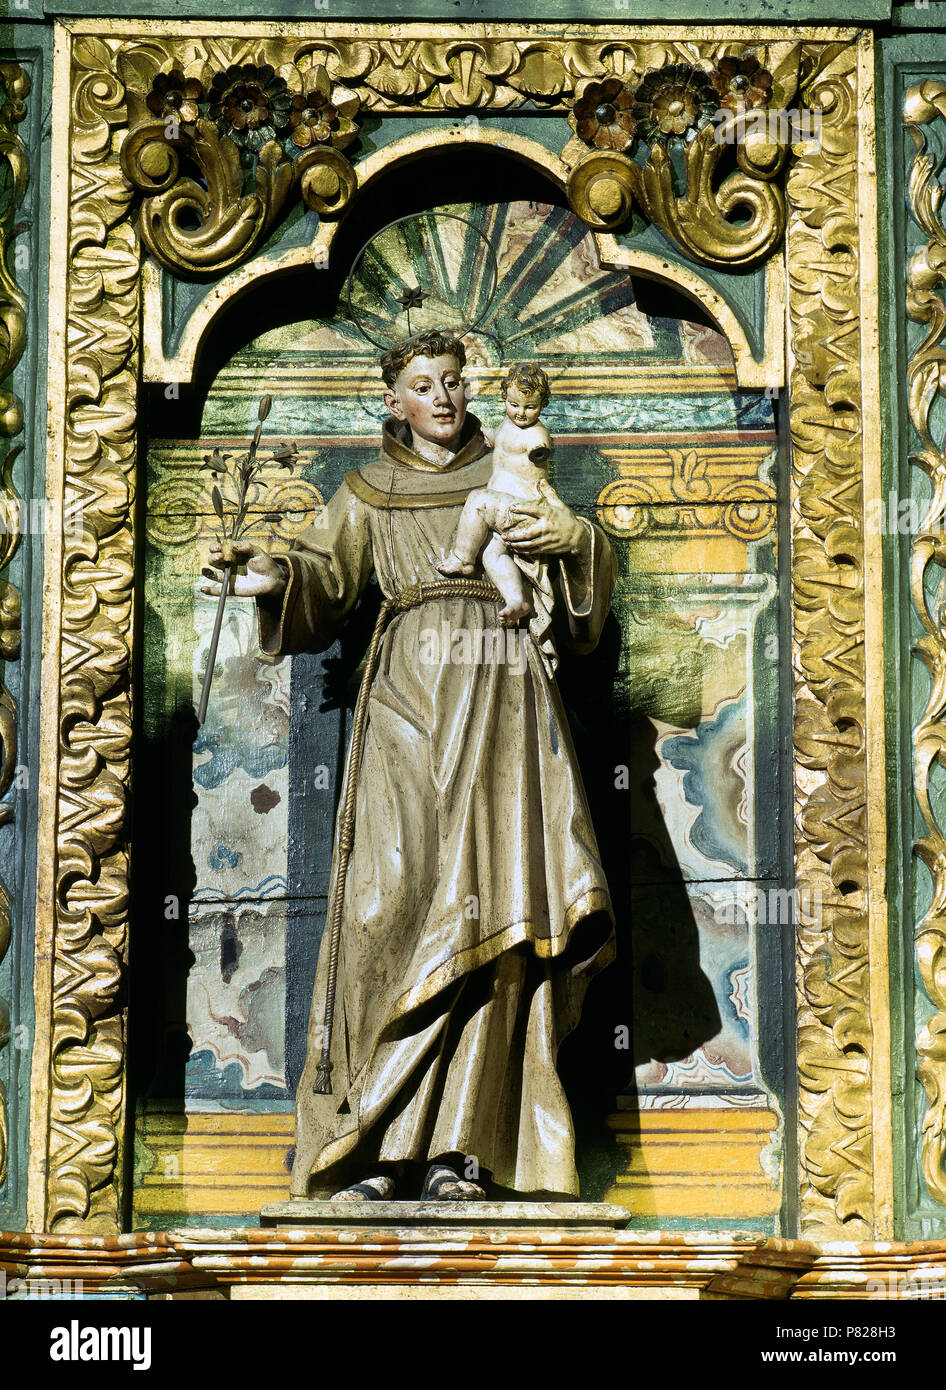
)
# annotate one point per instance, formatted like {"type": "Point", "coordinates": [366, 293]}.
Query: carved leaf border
{"type": "Point", "coordinates": [838, 1155]}
{"type": "Point", "coordinates": [925, 104]}
{"type": "Point", "coordinates": [87, 1026]}
{"type": "Point", "coordinates": [16, 89]}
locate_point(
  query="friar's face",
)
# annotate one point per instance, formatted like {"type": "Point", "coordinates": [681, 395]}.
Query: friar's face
{"type": "Point", "coordinates": [429, 395]}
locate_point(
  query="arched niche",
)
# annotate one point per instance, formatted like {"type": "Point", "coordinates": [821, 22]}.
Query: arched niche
{"type": "Point", "coordinates": [467, 150]}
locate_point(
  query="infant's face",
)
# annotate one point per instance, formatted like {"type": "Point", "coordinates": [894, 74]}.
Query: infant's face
{"type": "Point", "coordinates": [523, 410]}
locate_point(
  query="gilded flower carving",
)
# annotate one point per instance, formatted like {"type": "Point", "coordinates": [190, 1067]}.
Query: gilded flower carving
{"type": "Point", "coordinates": [250, 104]}
{"type": "Point", "coordinates": [673, 103]}
{"type": "Point", "coordinates": [603, 115]}
{"type": "Point", "coordinates": [175, 97]}
{"type": "Point", "coordinates": [741, 84]}
{"type": "Point", "coordinates": [322, 115]}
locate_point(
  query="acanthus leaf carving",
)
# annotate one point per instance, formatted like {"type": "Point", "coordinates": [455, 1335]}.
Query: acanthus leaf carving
{"type": "Point", "coordinates": [925, 118]}
{"type": "Point", "coordinates": [15, 84]}
{"type": "Point", "coordinates": [835, 1038]}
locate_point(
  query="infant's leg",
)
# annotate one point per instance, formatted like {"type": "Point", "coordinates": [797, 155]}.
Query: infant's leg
{"type": "Point", "coordinates": [476, 521]}
{"type": "Point", "coordinates": [502, 569]}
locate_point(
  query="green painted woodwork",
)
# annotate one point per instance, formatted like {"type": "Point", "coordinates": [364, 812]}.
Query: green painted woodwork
{"type": "Point", "coordinates": [634, 12]}
{"type": "Point", "coordinates": [904, 61]}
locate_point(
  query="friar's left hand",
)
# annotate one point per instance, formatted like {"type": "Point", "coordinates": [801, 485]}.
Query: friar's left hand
{"type": "Point", "coordinates": [548, 527]}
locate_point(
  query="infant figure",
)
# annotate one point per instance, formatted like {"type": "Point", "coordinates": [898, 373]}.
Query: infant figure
{"type": "Point", "coordinates": [521, 450]}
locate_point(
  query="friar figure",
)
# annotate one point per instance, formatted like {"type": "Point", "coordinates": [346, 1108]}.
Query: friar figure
{"type": "Point", "coordinates": [473, 909]}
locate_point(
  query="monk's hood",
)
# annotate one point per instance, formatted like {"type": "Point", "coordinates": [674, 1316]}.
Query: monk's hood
{"type": "Point", "coordinates": [399, 477]}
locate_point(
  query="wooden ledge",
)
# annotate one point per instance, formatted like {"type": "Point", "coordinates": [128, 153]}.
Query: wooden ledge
{"type": "Point", "coordinates": [358, 1259]}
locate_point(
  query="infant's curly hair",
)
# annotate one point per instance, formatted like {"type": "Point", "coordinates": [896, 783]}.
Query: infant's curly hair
{"type": "Point", "coordinates": [430, 344]}
{"type": "Point", "coordinates": [531, 381]}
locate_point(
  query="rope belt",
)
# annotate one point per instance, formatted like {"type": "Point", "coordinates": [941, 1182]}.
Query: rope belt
{"type": "Point", "coordinates": [410, 597]}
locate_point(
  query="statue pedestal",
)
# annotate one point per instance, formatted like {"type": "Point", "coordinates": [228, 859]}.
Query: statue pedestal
{"type": "Point", "coordinates": [545, 1216]}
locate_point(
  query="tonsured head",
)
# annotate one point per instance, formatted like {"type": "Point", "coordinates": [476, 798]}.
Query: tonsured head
{"type": "Point", "coordinates": [424, 386]}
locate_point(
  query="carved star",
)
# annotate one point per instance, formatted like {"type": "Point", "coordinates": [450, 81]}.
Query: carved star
{"type": "Point", "coordinates": [410, 299]}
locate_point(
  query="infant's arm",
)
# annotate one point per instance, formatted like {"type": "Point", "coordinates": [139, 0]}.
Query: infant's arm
{"type": "Point", "coordinates": [537, 443]}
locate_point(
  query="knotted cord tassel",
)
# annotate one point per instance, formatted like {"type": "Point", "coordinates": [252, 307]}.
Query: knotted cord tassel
{"type": "Point", "coordinates": [323, 1081]}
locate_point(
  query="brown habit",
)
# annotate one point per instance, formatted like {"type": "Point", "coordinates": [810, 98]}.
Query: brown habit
{"type": "Point", "coordinates": [474, 857]}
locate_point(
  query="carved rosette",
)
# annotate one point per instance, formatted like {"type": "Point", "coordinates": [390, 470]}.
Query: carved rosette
{"type": "Point", "coordinates": [925, 107]}
{"type": "Point", "coordinates": [87, 1033]}
{"type": "Point", "coordinates": [222, 140]}
{"type": "Point", "coordinates": [15, 87]}
{"type": "Point", "coordinates": [830, 721]}
{"type": "Point", "coordinates": [735, 220]}
{"type": "Point", "coordinates": [253, 136]}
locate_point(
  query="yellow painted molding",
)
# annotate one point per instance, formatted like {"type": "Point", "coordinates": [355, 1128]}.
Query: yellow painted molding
{"type": "Point", "coordinates": [695, 1164]}
{"type": "Point", "coordinates": [211, 1161]}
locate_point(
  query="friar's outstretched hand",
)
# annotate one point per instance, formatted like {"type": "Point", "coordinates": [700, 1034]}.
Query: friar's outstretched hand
{"type": "Point", "coordinates": [264, 575]}
{"type": "Point", "coordinates": [548, 527]}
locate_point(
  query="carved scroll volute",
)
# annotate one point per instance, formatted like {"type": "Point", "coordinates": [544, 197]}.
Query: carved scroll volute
{"type": "Point", "coordinates": [733, 221]}
{"type": "Point", "coordinates": [255, 136]}
{"type": "Point", "coordinates": [217, 153]}
{"type": "Point", "coordinates": [924, 107]}
{"type": "Point", "coordinates": [603, 188]}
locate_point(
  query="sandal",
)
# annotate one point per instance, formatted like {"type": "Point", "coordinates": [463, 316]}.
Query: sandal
{"type": "Point", "coordinates": [440, 1176]}
{"type": "Point", "coordinates": [368, 1191]}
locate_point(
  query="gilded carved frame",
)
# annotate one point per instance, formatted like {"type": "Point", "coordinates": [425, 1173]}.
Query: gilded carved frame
{"type": "Point", "coordinates": [830, 347]}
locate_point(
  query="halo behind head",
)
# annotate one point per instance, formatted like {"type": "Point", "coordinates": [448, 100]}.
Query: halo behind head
{"type": "Point", "coordinates": [429, 272]}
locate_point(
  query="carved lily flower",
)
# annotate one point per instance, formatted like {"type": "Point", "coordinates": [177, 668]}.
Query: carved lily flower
{"type": "Point", "coordinates": [174, 96]}
{"type": "Point", "coordinates": [285, 455]}
{"type": "Point", "coordinates": [216, 462]}
{"type": "Point", "coordinates": [741, 84]}
{"type": "Point", "coordinates": [603, 115]}
{"type": "Point", "coordinates": [321, 114]}
{"type": "Point", "coordinates": [673, 102]}
{"type": "Point", "coordinates": [249, 104]}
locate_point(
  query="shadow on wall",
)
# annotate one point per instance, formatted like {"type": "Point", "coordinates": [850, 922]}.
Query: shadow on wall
{"type": "Point", "coordinates": [654, 1003]}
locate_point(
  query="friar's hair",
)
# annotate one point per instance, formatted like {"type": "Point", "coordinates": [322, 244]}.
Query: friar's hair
{"type": "Point", "coordinates": [429, 344]}
{"type": "Point", "coordinates": [531, 381]}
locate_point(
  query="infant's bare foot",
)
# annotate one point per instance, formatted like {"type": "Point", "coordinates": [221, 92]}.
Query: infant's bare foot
{"type": "Point", "coordinates": [371, 1190]}
{"type": "Point", "coordinates": [454, 565]}
{"type": "Point", "coordinates": [514, 613]}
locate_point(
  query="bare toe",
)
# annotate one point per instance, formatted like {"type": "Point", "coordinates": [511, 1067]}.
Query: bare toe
{"type": "Point", "coordinates": [443, 1184]}
{"type": "Point", "coordinates": [370, 1190]}
{"type": "Point", "coordinates": [454, 565]}
{"type": "Point", "coordinates": [514, 613]}
{"type": "Point", "coordinates": [470, 1191]}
